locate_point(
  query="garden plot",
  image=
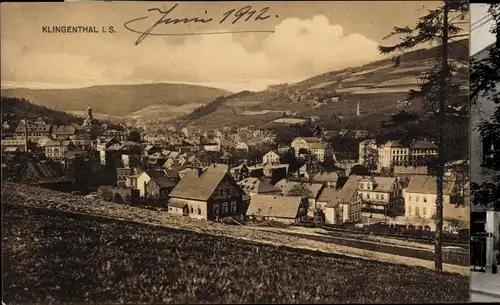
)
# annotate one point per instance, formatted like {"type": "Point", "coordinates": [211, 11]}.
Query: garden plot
{"type": "Point", "coordinates": [407, 80]}
{"type": "Point", "coordinates": [362, 72]}
{"type": "Point", "coordinates": [386, 90]}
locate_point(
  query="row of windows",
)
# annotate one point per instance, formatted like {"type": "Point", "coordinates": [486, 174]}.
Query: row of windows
{"type": "Point", "coordinates": [356, 216]}
{"type": "Point", "coordinates": [417, 198]}
{"type": "Point", "coordinates": [400, 152]}
{"type": "Point", "coordinates": [225, 207]}
{"type": "Point", "coordinates": [368, 186]}
{"type": "Point", "coordinates": [400, 158]}
{"type": "Point", "coordinates": [416, 210]}
{"type": "Point", "coordinates": [377, 196]}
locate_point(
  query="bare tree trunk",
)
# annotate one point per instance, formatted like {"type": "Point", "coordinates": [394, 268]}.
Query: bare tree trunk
{"type": "Point", "coordinates": [438, 255]}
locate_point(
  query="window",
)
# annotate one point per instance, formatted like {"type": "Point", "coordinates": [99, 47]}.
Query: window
{"type": "Point", "coordinates": [233, 206]}
{"type": "Point", "coordinates": [424, 211]}
{"type": "Point", "coordinates": [409, 198]}
{"type": "Point", "coordinates": [488, 150]}
{"type": "Point", "coordinates": [417, 211]}
{"type": "Point", "coordinates": [225, 207]}
{"type": "Point", "coordinates": [199, 211]}
{"type": "Point", "coordinates": [192, 210]}
{"type": "Point", "coordinates": [367, 196]}
{"type": "Point", "coordinates": [425, 199]}
{"type": "Point", "coordinates": [382, 196]}
{"type": "Point", "coordinates": [228, 192]}
{"type": "Point", "coordinates": [221, 192]}
{"type": "Point", "coordinates": [376, 196]}
{"type": "Point", "coordinates": [417, 199]}
{"type": "Point", "coordinates": [409, 211]}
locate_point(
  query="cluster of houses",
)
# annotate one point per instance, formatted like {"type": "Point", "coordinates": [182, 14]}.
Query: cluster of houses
{"type": "Point", "coordinates": [202, 188]}
{"type": "Point", "coordinates": [56, 140]}
{"type": "Point", "coordinates": [195, 175]}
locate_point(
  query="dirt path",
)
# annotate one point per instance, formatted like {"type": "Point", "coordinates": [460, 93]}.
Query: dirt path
{"type": "Point", "coordinates": [36, 197]}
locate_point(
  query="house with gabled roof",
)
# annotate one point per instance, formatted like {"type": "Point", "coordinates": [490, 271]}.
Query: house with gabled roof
{"type": "Point", "coordinates": [287, 186]}
{"type": "Point", "coordinates": [380, 195]}
{"type": "Point", "coordinates": [287, 209]}
{"type": "Point", "coordinates": [208, 193]}
{"type": "Point", "coordinates": [55, 150]}
{"type": "Point", "coordinates": [158, 187]}
{"type": "Point", "coordinates": [272, 157]}
{"type": "Point", "coordinates": [340, 205]}
{"type": "Point", "coordinates": [420, 201]}
{"type": "Point", "coordinates": [328, 179]}
{"type": "Point", "coordinates": [252, 186]}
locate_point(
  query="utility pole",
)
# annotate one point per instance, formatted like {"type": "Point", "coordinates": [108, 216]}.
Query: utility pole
{"type": "Point", "coordinates": [438, 261]}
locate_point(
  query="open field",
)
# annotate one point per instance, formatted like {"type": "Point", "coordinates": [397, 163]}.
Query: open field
{"type": "Point", "coordinates": [42, 198]}
{"type": "Point", "coordinates": [50, 257]}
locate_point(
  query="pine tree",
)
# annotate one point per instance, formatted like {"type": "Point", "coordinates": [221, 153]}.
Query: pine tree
{"type": "Point", "coordinates": [485, 82]}
{"type": "Point", "coordinates": [437, 91]}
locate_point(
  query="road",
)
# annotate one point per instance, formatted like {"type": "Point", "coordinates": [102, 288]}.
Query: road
{"type": "Point", "coordinates": [383, 248]}
{"type": "Point", "coordinates": [482, 298]}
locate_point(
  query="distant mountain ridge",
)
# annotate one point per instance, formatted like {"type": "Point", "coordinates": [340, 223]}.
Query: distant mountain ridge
{"type": "Point", "coordinates": [380, 88]}
{"type": "Point", "coordinates": [120, 100]}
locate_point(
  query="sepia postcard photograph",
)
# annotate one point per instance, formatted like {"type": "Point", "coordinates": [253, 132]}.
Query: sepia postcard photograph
{"type": "Point", "coordinates": [485, 168]}
{"type": "Point", "coordinates": [245, 152]}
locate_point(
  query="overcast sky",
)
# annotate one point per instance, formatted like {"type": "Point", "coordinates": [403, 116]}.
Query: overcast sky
{"type": "Point", "coordinates": [309, 39]}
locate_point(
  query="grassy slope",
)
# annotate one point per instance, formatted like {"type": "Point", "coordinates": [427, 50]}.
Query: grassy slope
{"type": "Point", "coordinates": [376, 106]}
{"type": "Point", "coordinates": [118, 99]}
{"type": "Point", "coordinates": [68, 260]}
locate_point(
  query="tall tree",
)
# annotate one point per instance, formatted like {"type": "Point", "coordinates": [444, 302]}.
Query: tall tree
{"type": "Point", "coordinates": [485, 83]}
{"type": "Point", "coordinates": [436, 88]}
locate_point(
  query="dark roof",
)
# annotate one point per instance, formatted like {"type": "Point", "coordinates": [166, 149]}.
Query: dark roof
{"type": "Point", "coordinates": [45, 170]}
{"type": "Point", "coordinates": [156, 174]}
{"type": "Point", "coordinates": [256, 185]}
{"type": "Point", "coordinates": [163, 182]}
{"type": "Point", "coordinates": [200, 187]}
{"type": "Point", "coordinates": [172, 174]}
{"type": "Point", "coordinates": [45, 128]}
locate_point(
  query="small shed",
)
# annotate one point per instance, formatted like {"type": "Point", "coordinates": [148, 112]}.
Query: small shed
{"type": "Point", "coordinates": [178, 208]}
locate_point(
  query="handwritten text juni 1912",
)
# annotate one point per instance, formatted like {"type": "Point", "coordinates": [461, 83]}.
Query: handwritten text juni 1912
{"type": "Point", "coordinates": [162, 17]}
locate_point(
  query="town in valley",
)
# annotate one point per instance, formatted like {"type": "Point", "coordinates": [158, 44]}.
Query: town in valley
{"type": "Point", "coordinates": [320, 162]}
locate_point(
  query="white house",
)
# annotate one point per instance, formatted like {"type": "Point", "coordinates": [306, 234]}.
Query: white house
{"type": "Point", "coordinates": [420, 201]}
{"type": "Point", "coordinates": [241, 146]}
{"type": "Point", "coordinates": [381, 195]}
{"type": "Point", "coordinates": [271, 157]}
{"type": "Point", "coordinates": [340, 206]}
{"type": "Point", "coordinates": [393, 153]}
{"type": "Point", "coordinates": [312, 146]}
